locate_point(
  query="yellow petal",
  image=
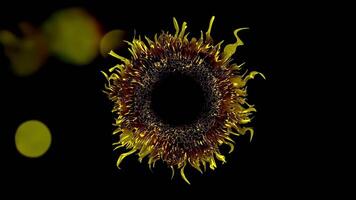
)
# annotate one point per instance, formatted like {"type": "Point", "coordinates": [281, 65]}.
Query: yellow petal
{"type": "Point", "coordinates": [207, 34]}
{"type": "Point", "coordinates": [220, 157]}
{"type": "Point", "coordinates": [212, 163]}
{"type": "Point", "coordinates": [183, 175]}
{"type": "Point", "coordinates": [230, 49]}
{"type": "Point", "coordinates": [176, 26]}
{"type": "Point", "coordinates": [122, 156]}
{"type": "Point", "coordinates": [124, 60]}
{"type": "Point", "coordinates": [252, 75]}
{"type": "Point", "coordinates": [237, 82]}
{"type": "Point", "coordinates": [237, 67]}
{"type": "Point", "coordinates": [184, 26]}
{"type": "Point", "coordinates": [231, 146]}
{"type": "Point", "coordinates": [172, 168]}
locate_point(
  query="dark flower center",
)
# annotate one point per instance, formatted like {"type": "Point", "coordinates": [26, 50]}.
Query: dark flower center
{"type": "Point", "coordinates": [178, 99]}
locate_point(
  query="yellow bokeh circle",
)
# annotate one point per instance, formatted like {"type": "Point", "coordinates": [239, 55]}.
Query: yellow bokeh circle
{"type": "Point", "coordinates": [33, 138]}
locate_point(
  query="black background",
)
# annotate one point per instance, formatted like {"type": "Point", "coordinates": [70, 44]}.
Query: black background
{"type": "Point", "coordinates": [70, 101]}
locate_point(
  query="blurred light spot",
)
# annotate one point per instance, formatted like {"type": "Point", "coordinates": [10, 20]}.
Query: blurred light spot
{"type": "Point", "coordinates": [111, 41]}
{"type": "Point", "coordinates": [26, 54]}
{"type": "Point", "coordinates": [73, 35]}
{"type": "Point", "coordinates": [32, 138]}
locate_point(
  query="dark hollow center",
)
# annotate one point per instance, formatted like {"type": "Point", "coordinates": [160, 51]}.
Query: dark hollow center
{"type": "Point", "coordinates": [177, 99]}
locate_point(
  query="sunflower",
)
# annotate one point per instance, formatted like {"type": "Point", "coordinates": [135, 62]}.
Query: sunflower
{"type": "Point", "coordinates": [178, 99]}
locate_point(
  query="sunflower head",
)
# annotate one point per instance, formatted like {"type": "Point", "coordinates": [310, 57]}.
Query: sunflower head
{"type": "Point", "coordinates": [147, 87]}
